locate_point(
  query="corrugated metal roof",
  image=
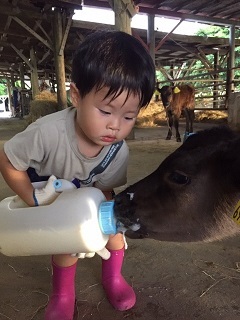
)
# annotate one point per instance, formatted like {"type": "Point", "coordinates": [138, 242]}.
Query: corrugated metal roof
{"type": "Point", "coordinates": [216, 11]}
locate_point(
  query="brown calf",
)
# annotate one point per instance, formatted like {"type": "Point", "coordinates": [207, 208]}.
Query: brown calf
{"type": "Point", "coordinates": [194, 195]}
{"type": "Point", "coordinates": [177, 100]}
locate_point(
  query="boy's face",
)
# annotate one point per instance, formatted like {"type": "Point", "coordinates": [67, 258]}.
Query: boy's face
{"type": "Point", "coordinates": [103, 121]}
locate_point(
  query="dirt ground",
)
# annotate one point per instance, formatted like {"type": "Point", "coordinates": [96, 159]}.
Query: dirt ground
{"type": "Point", "coordinates": [171, 280]}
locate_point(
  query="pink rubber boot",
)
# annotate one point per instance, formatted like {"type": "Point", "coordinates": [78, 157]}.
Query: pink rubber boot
{"type": "Point", "coordinates": [119, 293]}
{"type": "Point", "coordinates": [62, 300]}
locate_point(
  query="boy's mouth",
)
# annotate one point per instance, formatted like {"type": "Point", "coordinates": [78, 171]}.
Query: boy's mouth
{"type": "Point", "coordinates": [108, 138]}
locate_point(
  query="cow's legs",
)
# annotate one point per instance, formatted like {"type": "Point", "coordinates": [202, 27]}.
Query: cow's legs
{"type": "Point", "coordinates": [170, 123]}
{"type": "Point", "coordinates": [189, 115]}
{"type": "Point", "coordinates": [176, 125]}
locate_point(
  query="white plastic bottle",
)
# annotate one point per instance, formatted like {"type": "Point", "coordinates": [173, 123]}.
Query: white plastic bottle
{"type": "Point", "coordinates": [79, 220]}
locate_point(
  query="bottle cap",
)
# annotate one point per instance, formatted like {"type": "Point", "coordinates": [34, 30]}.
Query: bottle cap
{"type": "Point", "coordinates": [107, 221]}
{"type": "Point", "coordinates": [57, 184]}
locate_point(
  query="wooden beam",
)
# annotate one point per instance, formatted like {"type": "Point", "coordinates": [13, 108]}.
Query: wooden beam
{"type": "Point", "coordinates": [66, 32]}
{"type": "Point", "coordinates": [165, 73]}
{"type": "Point", "coordinates": [158, 35]}
{"type": "Point", "coordinates": [45, 42]}
{"type": "Point", "coordinates": [136, 35]}
{"type": "Point", "coordinates": [59, 59]}
{"type": "Point", "coordinates": [11, 10]}
{"type": "Point", "coordinates": [204, 59]}
{"type": "Point", "coordinates": [25, 59]}
{"type": "Point", "coordinates": [38, 23]}
{"type": "Point", "coordinates": [65, 4]}
{"type": "Point", "coordinates": [167, 36]}
{"type": "Point", "coordinates": [46, 54]}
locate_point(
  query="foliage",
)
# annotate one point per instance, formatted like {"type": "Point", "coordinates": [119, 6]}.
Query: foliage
{"type": "Point", "coordinates": [219, 32]}
{"type": "Point", "coordinates": [159, 76]}
{"type": "Point", "coordinates": [3, 87]}
{"type": "Point", "coordinates": [214, 31]}
{"type": "Point", "coordinates": [222, 32]}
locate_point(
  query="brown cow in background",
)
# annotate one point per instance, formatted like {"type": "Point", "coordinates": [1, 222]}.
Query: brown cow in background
{"type": "Point", "coordinates": [176, 100]}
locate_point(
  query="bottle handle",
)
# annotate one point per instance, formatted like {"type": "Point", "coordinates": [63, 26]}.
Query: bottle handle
{"type": "Point", "coordinates": [104, 253]}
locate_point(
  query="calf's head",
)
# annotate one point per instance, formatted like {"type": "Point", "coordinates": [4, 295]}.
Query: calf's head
{"type": "Point", "coordinates": [166, 95]}
{"type": "Point", "coordinates": [192, 194]}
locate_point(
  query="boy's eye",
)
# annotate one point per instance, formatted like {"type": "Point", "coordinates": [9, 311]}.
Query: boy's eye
{"type": "Point", "coordinates": [104, 112]}
{"type": "Point", "coordinates": [129, 118]}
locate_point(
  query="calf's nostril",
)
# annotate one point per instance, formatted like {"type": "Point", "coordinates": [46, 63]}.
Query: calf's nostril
{"type": "Point", "coordinates": [131, 195]}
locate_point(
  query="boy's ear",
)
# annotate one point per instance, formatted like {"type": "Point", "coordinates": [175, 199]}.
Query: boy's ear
{"type": "Point", "coordinates": [74, 93]}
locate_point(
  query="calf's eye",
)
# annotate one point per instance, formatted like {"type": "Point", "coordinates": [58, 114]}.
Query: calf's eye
{"type": "Point", "coordinates": [179, 178]}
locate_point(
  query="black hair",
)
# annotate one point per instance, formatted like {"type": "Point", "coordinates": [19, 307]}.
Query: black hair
{"type": "Point", "coordinates": [116, 60]}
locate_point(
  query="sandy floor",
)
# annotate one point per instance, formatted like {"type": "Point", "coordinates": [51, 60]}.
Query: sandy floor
{"type": "Point", "coordinates": [171, 280]}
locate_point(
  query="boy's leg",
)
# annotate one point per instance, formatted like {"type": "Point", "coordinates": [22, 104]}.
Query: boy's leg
{"type": "Point", "coordinates": [62, 300]}
{"type": "Point", "coordinates": [119, 293]}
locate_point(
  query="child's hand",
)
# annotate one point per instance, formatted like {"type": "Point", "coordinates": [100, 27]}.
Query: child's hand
{"type": "Point", "coordinates": [83, 255]}
{"type": "Point", "coordinates": [47, 194]}
{"type": "Point", "coordinates": [18, 203]}
{"type": "Point", "coordinates": [104, 253]}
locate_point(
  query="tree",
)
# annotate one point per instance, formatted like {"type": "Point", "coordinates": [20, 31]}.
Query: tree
{"type": "Point", "coordinates": [222, 32]}
{"type": "Point", "coordinates": [3, 87]}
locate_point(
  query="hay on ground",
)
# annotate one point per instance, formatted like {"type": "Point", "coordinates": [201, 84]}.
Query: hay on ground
{"type": "Point", "coordinates": [154, 115]}
{"type": "Point", "coordinates": [43, 104]}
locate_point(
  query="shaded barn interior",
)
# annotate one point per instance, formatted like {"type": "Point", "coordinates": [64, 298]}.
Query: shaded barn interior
{"type": "Point", "coordinates": [38, 38]}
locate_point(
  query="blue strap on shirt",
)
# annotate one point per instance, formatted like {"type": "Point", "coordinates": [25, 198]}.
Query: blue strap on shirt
{"type": "Point", "coordinates": [112, 152]}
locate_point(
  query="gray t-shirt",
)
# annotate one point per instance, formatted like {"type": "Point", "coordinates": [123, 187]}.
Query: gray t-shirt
{"type": "Point", "coordinates": [49, 145]}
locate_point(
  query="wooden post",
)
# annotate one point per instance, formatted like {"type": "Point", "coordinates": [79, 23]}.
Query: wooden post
{"type": "Point", "coordinates": [215, 84]}
{"type": "Point", "coordinates": [151, 36]}
{"type": "Point", "coordinates": [124, 11]}
{"type": "Point", "coordinates": [231, 63]}
{"type": "Point", "coordinates": [59, 59]}
{"type": "Point", "coordinates": [34, 74]}
{"type": "Point", "coordinates": [11, 84]}
{"type": "Point", "coordinates": [122, 16]}
{"type": "Point", "coordinates": [172, 73]}
{"type": "Point", "coordinates": [12, 79]}
{"type": "Point", "coordinates": [10, 97]}
{"type": "Point", "coordinates": [21, 72]}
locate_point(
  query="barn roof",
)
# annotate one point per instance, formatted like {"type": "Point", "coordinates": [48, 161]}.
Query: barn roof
{"type": "Point", "coordinates": [224, 12]}
{"type": "Point", "coordinates": [28, 23]}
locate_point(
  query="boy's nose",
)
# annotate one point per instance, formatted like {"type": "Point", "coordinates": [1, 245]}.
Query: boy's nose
{"type": "Point", "coordinates": [114, 125]}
